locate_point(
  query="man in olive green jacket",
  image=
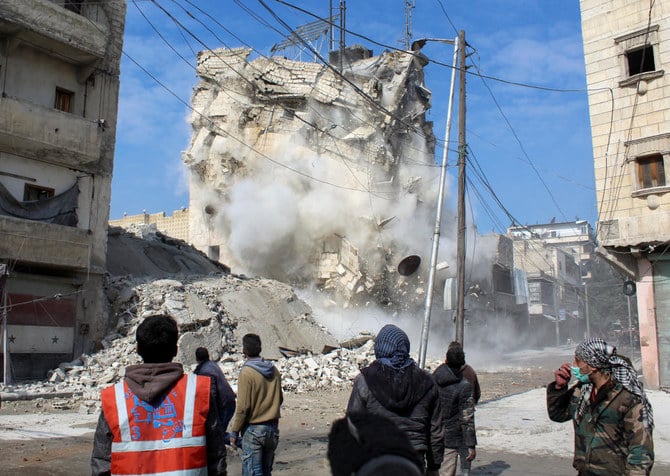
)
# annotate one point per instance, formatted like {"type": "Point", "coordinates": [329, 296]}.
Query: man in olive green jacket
{"type": "Point", "coordinates": [259, 398]}
{"type": "Point", "coordinates": [612, 417]}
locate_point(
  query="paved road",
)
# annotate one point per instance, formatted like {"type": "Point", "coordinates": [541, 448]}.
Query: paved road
{"type": "Point", "coordinates": [70, 457]}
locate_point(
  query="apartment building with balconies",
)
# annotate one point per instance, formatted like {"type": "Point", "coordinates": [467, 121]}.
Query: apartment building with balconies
{"type": "Point", "coordinates": [59, 81]}
{"type": "Point", "coordinates": [627, 50]}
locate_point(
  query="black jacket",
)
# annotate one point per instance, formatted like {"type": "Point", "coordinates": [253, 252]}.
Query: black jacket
{"type": "Point", "coordinates": [409, 398]}
{"type": "Point", "coordinates": [458, 408]}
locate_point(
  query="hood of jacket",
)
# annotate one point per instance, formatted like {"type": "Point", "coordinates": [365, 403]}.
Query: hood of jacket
{"type": "Point", "coordinates": [398, 390]}
{"type": "Point", "coordinates": [151, 381]}
{"type": "Point", "coordinates": [265, 367]}
{"type": "Point", "coordinates": [445, 375]}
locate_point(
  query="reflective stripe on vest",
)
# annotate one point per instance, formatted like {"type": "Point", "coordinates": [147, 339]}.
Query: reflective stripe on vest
{"type": "Point", "coordinates": [168, 439]}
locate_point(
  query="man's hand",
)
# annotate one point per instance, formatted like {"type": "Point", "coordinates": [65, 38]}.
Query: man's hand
{"type": "Point", "coordinates": [562, 376]}
{"type": "Point", "coordinates": [472, 454]}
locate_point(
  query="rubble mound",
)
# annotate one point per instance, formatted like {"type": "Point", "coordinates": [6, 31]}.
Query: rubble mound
{"type": "Point", "coordinates": [212, 310]}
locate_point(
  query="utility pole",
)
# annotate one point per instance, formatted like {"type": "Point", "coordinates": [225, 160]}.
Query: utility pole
{"type": "Point", "coordinates": [423, 345]}
{"type": "Point", "coordinates": [586, 298]}
{"type": "Point", "coordinates": [331, 33]}
{"type": "Point", "coordinates": [6, 370]}
{"type": "Point", "coordinates": [462, 152]}
{"type": "Point", "coordinates": [630, 324]}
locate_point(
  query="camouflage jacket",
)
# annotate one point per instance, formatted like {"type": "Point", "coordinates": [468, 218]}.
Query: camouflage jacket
{"type": "Point", "coordinates": [610, 438]}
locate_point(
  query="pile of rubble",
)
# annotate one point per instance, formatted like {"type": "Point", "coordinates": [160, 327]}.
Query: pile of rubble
{"type": "Point", "coordinates": [212, 311]}
{"type": "Point", "coordinates": [77, 384]}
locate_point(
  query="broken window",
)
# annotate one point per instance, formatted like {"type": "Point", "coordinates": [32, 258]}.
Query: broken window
{"type": "Point", "coordinates": [64, 100]}
{"type": "Point", "coordinates": [35, 193]}
{"type": "Point", "coordinates": [650, 171]}
{"type": "Point", "coordinates": [640, 60]}
{"type": "Point", "coordinates": [638, 52]}
{"type": "Point", "coordinates": [73, 5]}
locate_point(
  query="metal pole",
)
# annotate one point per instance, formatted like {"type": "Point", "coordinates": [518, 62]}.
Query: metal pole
{"type": "Point", "coordinates": [6, 368]}
{"type": "Point", "coordinates": [331, 33]}
{"type": "Point", "coordinates": [438, 220]}
{"type": "Point", "coordinates": [460, 246]}
{"type": "Point", "coordinates": [630, 325]}
{"type": "Point", "coordinates": [588, 322]}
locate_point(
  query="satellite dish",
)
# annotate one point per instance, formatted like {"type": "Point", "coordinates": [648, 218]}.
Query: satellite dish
{"type": "Point", "coordinates": [409, 265]}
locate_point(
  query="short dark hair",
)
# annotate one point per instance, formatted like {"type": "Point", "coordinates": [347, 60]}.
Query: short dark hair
{"type": "Point", "coordinates": [201, 354]}
{"type": "Point", "coordinates": [157, 339]}
{"type": "Point", "coordinates": [455, 357]}
{"type": "Point", "coordinates": [455, 345]}
{"type": "Point", "coordinates": [251, 345]}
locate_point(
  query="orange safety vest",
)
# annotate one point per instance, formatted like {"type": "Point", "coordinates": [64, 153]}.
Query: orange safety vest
{"type": "Point", "coordinates": [167, 439]}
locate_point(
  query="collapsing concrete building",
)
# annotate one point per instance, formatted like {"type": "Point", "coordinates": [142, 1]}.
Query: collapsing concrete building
{"type": "Point", "coordinates": [313, 176]}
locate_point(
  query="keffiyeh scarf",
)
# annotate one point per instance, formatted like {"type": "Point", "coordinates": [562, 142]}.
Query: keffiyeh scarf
{"type": "Point", "coordinates": [392, 347]}
{"type": "Point", "coordinates": [603, 356]}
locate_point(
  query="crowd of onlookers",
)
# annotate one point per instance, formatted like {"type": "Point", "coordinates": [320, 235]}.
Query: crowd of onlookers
{"type": "Point", "coordinates": [400, 419]}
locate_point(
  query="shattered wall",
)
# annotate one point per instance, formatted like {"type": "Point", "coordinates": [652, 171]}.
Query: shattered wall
{"type": "Point", "coordinates": [312, 178]}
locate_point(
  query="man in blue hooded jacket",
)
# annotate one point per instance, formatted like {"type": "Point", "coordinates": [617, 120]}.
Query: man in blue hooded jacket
{"type": "Point", "coordinates": [222, 394]}
{"type": "Point", "coordinates": [259, 399]}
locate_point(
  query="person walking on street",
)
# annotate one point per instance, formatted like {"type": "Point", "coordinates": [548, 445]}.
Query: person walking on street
{"type": "Point", "coordinates": [220, 388]}
{"type": "Point", "coordinates": [158, 420]}
{"type": "Point", "coordinates": [259, 399]}
{"type": "Point", "coordinates": [394, 387]}
{"type": "Point", "coordinates": [469, 374]}
{"type": "Point", "coordinates": [458, 413]}
{"type": "Point", "coordinates": [612, 418]}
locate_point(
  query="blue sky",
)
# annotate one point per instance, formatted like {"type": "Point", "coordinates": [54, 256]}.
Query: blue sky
{"type": "Point", "coordinates": [532, 145]}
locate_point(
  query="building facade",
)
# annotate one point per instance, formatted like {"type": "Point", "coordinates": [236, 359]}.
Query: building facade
{"type": "Point", "coordinates": [626, 49]}
{"type": "Point", "coordinates": [175, 226]}
{"type": "Point", "coordinates": [575, 237]}
{"type": "Point", "coordinates": [553, 276]}
{"type": "Point", "coordinates": [60, 83]}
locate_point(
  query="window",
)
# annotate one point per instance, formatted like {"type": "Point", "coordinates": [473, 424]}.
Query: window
{"type": "Point", "coordinates": [502, 280]}
{"type": "Point", "coordinates": [35, 193]}
{"type": "Point", "coordinates": [213, 253]}
{"type": "Point", "coordinates": [638, 52]}
{"type": "Point", "coordinates": [73, 5]}
{"type": "Point", "coordinates": [64, 100]}
{"type": "Point", "coordinates": [650, 171]}
{"type": "Point", "coordinates": [535, 292]}
{"type": "Point", "coordinates": [640, 60]}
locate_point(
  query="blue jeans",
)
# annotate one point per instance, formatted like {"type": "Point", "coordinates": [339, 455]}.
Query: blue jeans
{"type": "Point", "coordinates": [259, 443]}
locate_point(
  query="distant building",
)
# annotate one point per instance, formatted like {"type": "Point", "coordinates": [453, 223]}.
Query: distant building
{"type": "Point", "coordinates": [554, 288]}
{"type": "Point", "coordinates": [493, 301]}
{"type": "Point", "coordinates": [626, 55]}
{"type": "Point", "coordinates": [175, 226]}
{"type": "Point", "coordinates": [60, 84]}
{"type": "Point", "coordinates": [576, 238]}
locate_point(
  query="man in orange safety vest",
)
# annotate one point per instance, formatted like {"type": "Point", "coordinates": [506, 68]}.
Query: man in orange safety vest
{"type": "Point", "coordinates": [158, 420]}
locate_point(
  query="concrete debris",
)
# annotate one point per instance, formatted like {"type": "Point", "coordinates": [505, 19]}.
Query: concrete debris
{"type": "Point", "coordinates": [79, 386]}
